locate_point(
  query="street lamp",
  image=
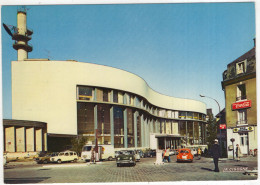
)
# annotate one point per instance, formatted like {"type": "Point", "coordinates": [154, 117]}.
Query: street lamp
{"type": "Point", "coordinates": [219, 112]}
{"type": "Point", "coordinates": [212, 99]}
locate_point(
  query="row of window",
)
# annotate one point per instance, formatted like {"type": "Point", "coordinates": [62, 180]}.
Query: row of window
{"type": "Point", "coordinates": [114, 96]}
{"type": "Point", "coordinates": [194, 132]}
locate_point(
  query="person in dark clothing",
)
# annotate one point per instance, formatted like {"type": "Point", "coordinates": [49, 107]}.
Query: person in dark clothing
{"type": "Point", "coordinates": [215, 153]}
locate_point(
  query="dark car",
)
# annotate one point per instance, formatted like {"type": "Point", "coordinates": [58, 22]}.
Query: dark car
{"type": "Point", "coordinates": [141, 153]}
{"type": "Point", "coordinates": [126, 157]}
{"type": "Point", "coordinates": [45, 158]}
{"type": "Point", "coordinates": [150, 153]}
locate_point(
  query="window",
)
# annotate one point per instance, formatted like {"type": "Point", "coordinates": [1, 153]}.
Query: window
{"type": "Point", "coordinates": [241, 67]}
{"type": "Point", "coordinates": [115, 96]}
{"type": "Point", "coordinates": [242, 117]}
{"type": "Point", "coordinates": [169, 114]}
{"type": "Point", "coordinates": [105, 95]}
{"type": "Point", "coordinates": [137, 102]}
{"type": "Point", "coordinates": [162, 113]}
{"type": "Point", "coordinates": [241, 92]}
{"type": "Point", "coordinates": [85, 118]}
{"type": "Point", "coordinates": [189, 115]}
{"type": "Point", "coordinates": [85, 93]}
{"type": "Point", "coordinates": [182, 115]}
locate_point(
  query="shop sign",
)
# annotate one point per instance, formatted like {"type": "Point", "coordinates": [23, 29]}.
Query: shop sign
{"type": "Point", "coordinates": [241, 105]}
{"type": "Point", "coordinates": [242, 129]}
{"type": "Point", "coordinates": [222, 126]}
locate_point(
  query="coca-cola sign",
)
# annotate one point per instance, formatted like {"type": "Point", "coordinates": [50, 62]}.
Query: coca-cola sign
{"type": "Point", "coordinates": [222, 126]}
{"type": "Point", "coordinates": [241, 105]}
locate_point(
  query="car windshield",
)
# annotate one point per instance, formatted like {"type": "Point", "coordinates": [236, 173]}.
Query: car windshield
{"type": "Point", "coordinates": [128, 152]}
{"type": "Point", "coordinates": [61, 154]}
{"type": "Point", "coordinates": [184, 151]}
{"type": "Point", "coordinates": [87, 148]}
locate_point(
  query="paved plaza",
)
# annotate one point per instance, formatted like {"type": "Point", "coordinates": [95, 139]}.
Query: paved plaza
{"type": "Point", "coordinates": [144, 171]}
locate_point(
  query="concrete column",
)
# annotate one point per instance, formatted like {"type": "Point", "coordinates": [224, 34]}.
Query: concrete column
{"type": "Point", "coordinates": [193, 132]}
{"type": "Point", "coordinates": [45, 140]}
{"type": "Point", "coordinates": [10, 139]}
{"type": "Point", "coordinates": [186, 132]}
{"type": "Point", "coordinates": [125, 128]}
{"type": "Point", "coordinates": [135, 128]}
{"type": "Point", "coordinates": [30, 136]}
{"type": "Point", "coordinates": [112, 96]}
{"type": "Point", "coordinates": [20, 139]}
{"type": "Point", "coordinates": [112, 125]}
{"type": "Point", "coordinates": [151, 124]}
{"type": "Point", "coordinates": [142, 131]}
{"type": "Point", "coordinates": [95, 121]}
{"type": "Point", "coordinates": [38, 139]}
{"type": "Point", "coordinates": [95, 94]}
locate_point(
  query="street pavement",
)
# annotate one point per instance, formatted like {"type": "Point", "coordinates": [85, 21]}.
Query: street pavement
{"type": "Point", "coordinates": [144, 171]}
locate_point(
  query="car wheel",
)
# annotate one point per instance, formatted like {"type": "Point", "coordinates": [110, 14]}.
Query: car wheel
{"type": "Point", "coordinates": [45, 162]}
{"type": "Point", "coordinates": [59, 161]}
{"type": "Point", "coordinates": [75, 160]}
{"type": "Point", "coordinates": [118, 165]}
{"type": "Point", "coordinates": [110, 158]}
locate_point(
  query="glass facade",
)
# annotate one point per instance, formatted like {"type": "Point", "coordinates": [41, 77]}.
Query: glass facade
{"type": "Point", "coordinates": [85, 118]}
{"type": "Point", "coordinates": [118, 127]}
{"type": "Point", "coordinates": [126, 110]}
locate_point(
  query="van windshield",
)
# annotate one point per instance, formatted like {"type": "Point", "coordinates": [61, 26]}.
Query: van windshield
{"type": "Point", "coordinates": [86, 148]}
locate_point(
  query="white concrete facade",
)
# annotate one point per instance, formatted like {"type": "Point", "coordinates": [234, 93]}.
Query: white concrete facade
{"type": "Point", "coordinates": [45, 91]}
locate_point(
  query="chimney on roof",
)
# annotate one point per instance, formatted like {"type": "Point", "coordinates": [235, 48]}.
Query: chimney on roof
{"type": "Point", "coordinates": [254, 42]}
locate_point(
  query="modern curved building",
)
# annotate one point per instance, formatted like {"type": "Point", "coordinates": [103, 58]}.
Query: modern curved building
{"type": "Point", "coordinates": [104, 104]}
{"type": "Point", "coordinates": [80, 99]}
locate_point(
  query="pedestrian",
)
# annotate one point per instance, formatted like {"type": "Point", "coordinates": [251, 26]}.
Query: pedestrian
{"type": "Point", "coordinates": [215, 153]}
{"type": "Point", "coordinates": [199, 153]}
{"type": "Point", "coordinates": [166, 156]}
{"type": "Point", "coordinates": [93, 156]}
{"type": "Point", "coordinates": [238, 152]}
{"type": "Point", "coordinates": [205, 152]}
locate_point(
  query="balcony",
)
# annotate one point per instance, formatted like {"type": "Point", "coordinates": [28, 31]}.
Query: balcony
{"type": "Point", "coordinates": [241, 98]}
{"type": "Point", "coordinates": [242, 122]}
{"type": "Point", "coordinates": [26, 47]}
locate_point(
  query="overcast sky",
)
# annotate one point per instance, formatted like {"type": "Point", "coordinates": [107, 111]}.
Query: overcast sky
{"type": "Point", "coordinates": [180, 50]}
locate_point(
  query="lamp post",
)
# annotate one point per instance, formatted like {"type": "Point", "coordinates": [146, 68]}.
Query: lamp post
{"type": "Point", "coordinates": [203, 96]}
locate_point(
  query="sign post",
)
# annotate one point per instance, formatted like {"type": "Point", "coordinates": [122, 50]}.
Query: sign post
{"type": "Point", "coordinates": [232, 140]}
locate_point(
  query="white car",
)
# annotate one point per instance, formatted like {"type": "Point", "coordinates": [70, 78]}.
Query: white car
{"type": "Point", "coordinates": [65, 156]}
{"type": "Point", "coordinates": [137, 156]}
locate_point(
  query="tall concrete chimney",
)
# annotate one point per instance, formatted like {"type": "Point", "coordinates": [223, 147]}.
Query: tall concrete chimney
{"type": "Point", "coordinates": [22, 36]}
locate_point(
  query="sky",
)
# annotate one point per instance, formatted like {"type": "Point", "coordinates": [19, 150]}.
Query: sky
{"type": "Point", "coordinates": [180, 50]}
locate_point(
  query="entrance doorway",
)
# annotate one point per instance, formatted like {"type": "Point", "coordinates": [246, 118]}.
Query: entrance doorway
{"type": "Point", "coordinates": [244, 143]}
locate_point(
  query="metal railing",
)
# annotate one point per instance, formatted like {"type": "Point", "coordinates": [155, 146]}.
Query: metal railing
{"type": "Point", "coordinates": [241, 98]}
{"type": "Point", "coordinates": [242, 122]}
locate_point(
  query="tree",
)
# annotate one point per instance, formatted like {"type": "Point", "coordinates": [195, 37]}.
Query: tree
{"type": "Point", "coordinates": [211, 131]}
{"type": "Point", "coordinates": [77, 143]}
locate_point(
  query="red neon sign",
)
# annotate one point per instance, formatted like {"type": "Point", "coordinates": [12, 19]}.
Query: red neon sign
{"type": "Point", "coordinates": [241, 105]}
{"type": "Point", "coordinates": [222, 126]}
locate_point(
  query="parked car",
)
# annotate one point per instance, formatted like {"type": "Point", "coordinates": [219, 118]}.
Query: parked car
{"type": "Point", "coordinates": [171, 152]}
{"type": "Point", "coordinates": [117, 153]}
{"type": "Point", "coordinates": [137, 156]}
{"type": "Point", "coordinates": [106, 152]}
{"type": "Point", "coordinates": [66, 156]}
{"type": "Point", "coordinates": [141, 153]}
{"type": "Point", "coordinates": [150, 153]}
{"type": "Point", "coordinates": [45, 158]}
{"type": "Point", "coordinates": [184, 155]}
{"type": "Point", "coordinates": [126, 157]}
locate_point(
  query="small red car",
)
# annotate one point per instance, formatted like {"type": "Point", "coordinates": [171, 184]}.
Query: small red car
{"type": "Point", "coordinates": [184, 155]}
